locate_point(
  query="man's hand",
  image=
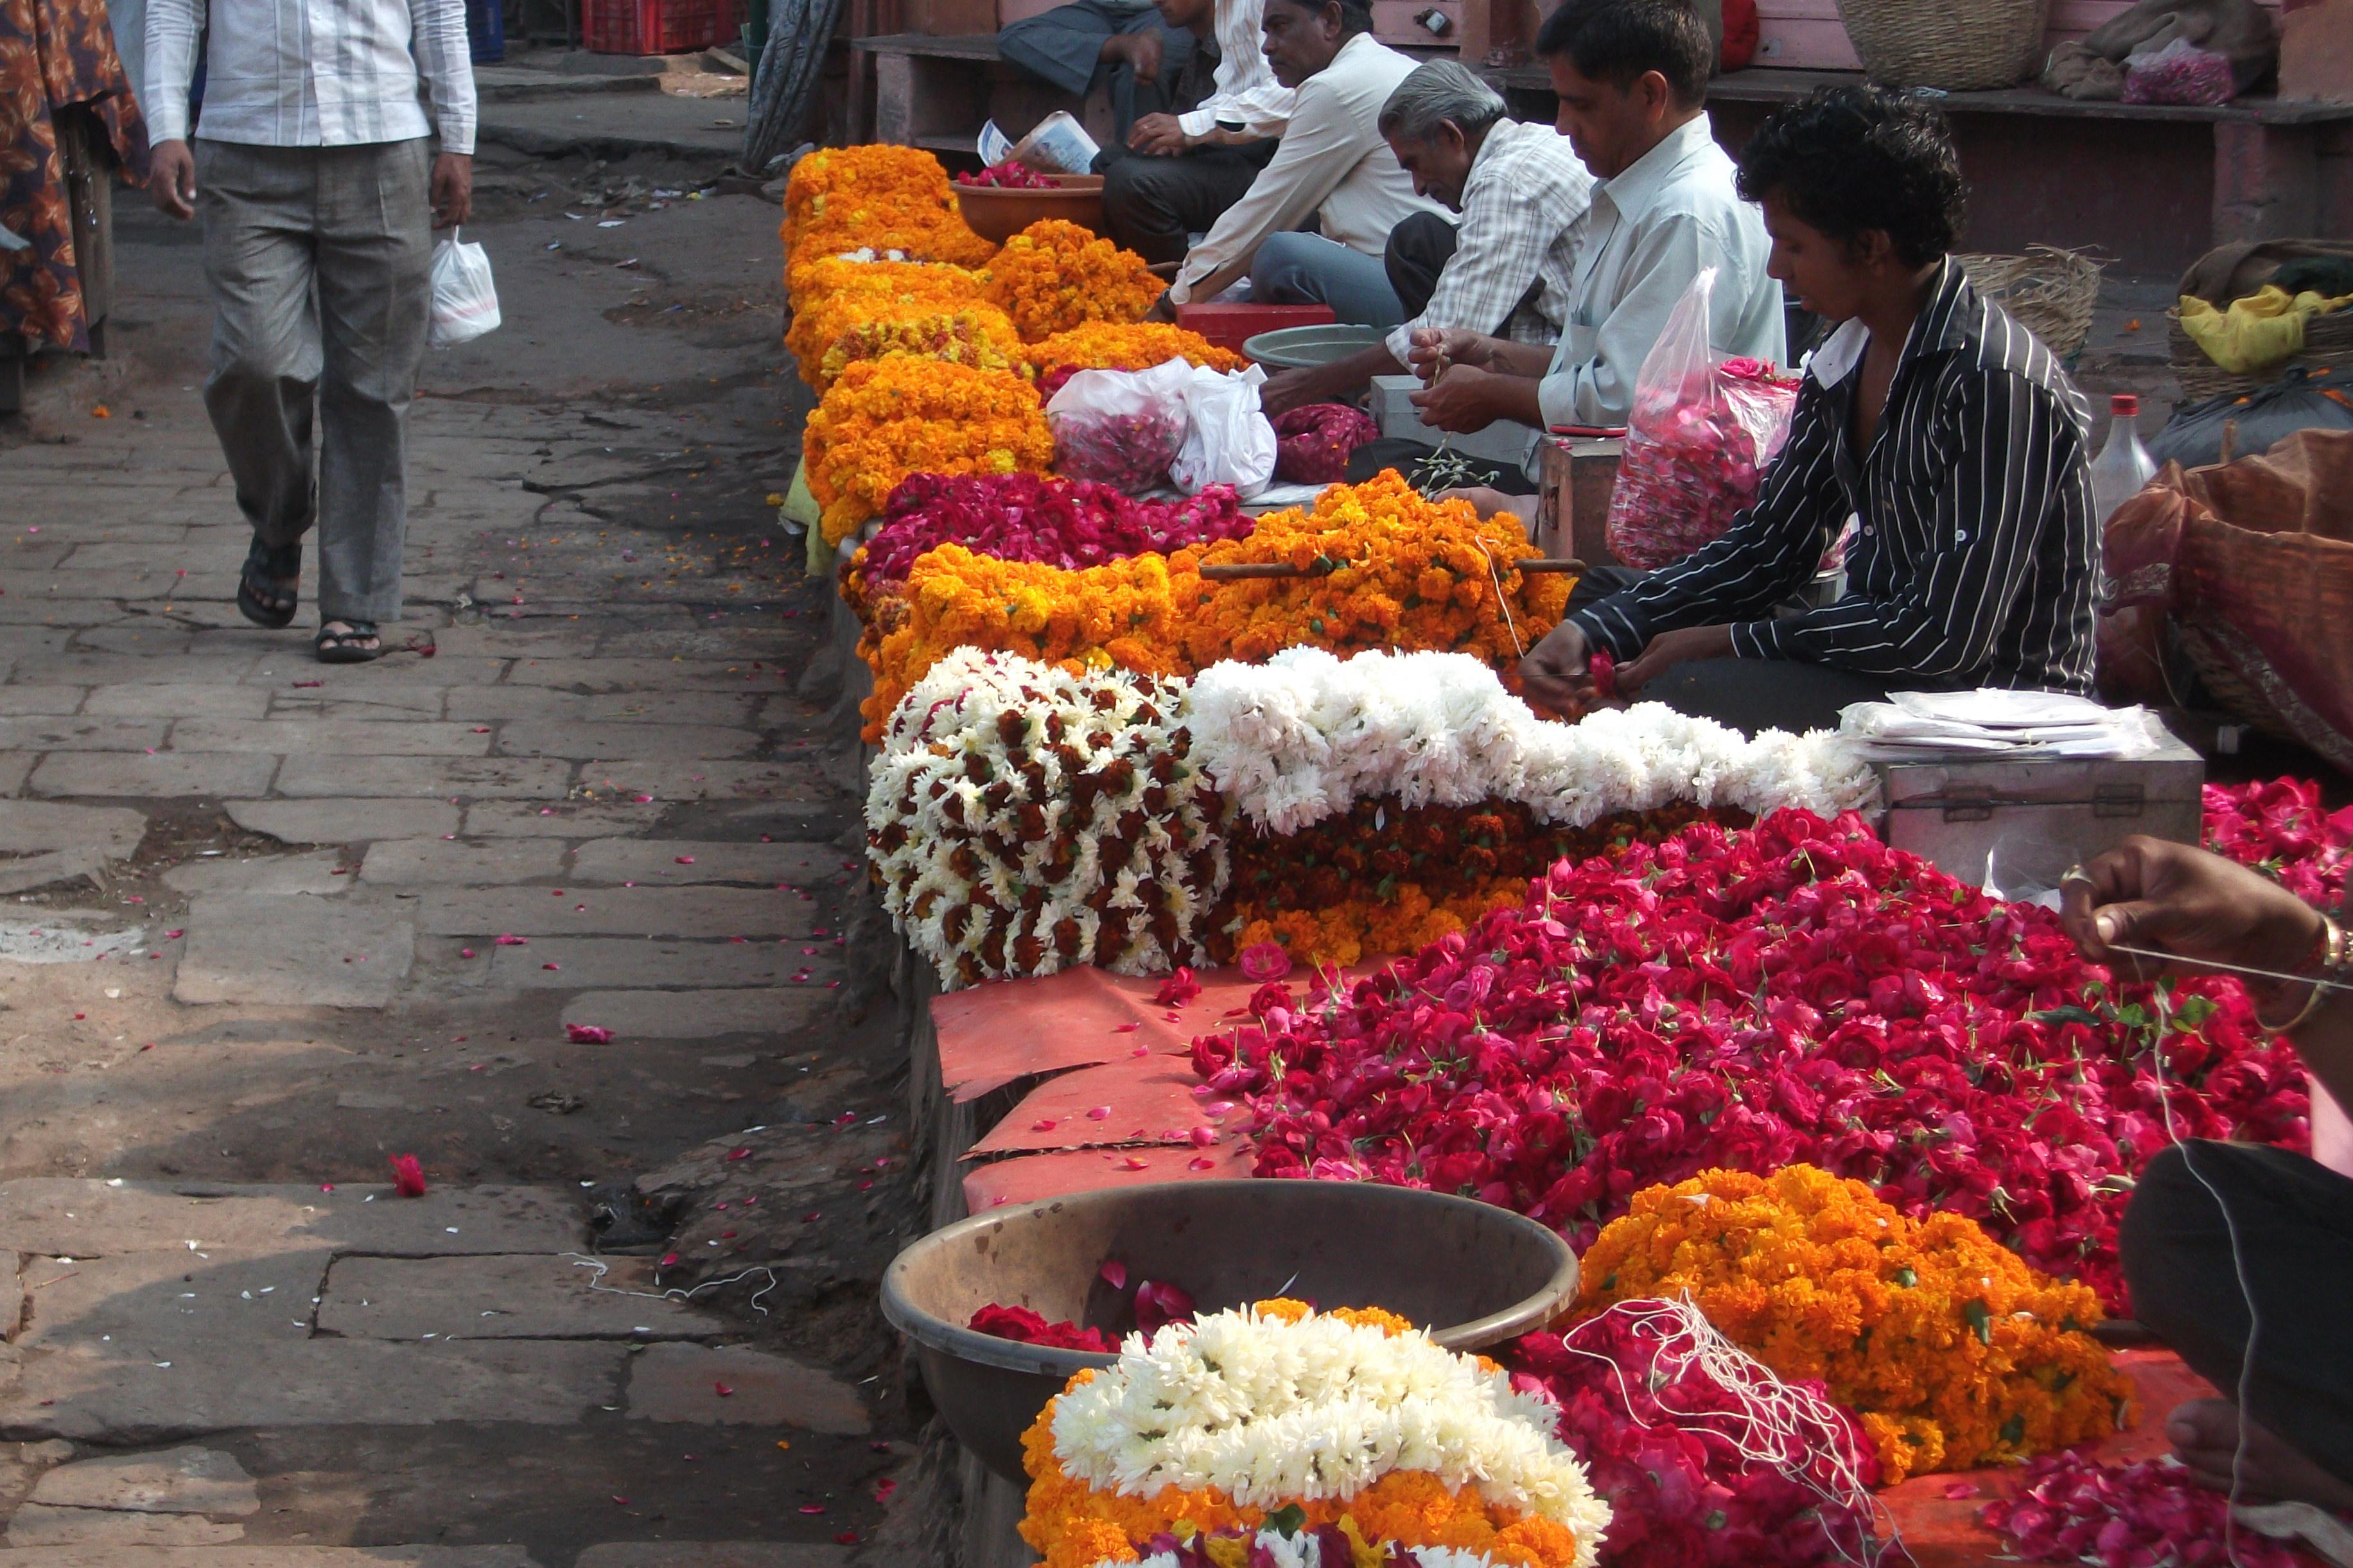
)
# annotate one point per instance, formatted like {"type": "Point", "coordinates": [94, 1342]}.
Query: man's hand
{"type": "Point", "coordinates": [1293, 389]}
{"type": "Point", "coordinates": [453, 189]}
{"type": "Point", "coordinates": [1432, 349]}
{"type": "Point", "coordinates": [1557, 673]}
{"type": "Point", "coordinates": [171, 179]}
{"type": "Point", "coordinates": [1164, 308]}
{"type": "Point", "coordinates": [1458, 401]}
{"type": "Point", "coordinates": [1674, 647]}
{"type": "Point", "coordinates": [1158, 136]}
{"type": "Point", "coordinates": [2148, 893]}
{"type": "Point", "coordinates": [1140, 50]}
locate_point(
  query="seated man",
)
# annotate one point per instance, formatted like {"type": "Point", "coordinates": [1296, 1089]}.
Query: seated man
{"type": "Point", "coordinates": [1120, 44]}
{"type": "Point", "coordinates": [1932, 417]}
{"type": "Point", "coordinates": [1631, 77]}
{"type": "Point", "coordinates": [1332, 166]}
{"type": "Point", "coordinates": [1179, 172]}
{"type": "Point", "coordinates": [1521, 192]}
{"type": "Point", "coordinates": [2220, 1237]}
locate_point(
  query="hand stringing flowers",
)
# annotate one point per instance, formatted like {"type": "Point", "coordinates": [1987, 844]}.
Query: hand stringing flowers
{"type": "Point", "coordinates": [1022, 820]}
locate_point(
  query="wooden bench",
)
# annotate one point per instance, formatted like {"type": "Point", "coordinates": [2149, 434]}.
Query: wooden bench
{"type": "Point", "coordinates": [2153, 187]}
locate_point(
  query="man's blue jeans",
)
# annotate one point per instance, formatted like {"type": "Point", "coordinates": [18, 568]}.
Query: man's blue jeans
{"type": "Point", "coordinates": [1293, 269]}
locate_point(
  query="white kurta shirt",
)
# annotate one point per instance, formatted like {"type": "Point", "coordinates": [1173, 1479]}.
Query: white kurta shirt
{"type": "Point", "coordinates": [1246, 91]}
{"type": "Point", "coordinates": [312, 73]}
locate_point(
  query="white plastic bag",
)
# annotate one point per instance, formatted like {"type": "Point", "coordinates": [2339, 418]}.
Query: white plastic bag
{"type": "Point", "coordinates": [465, 301]}
{"type": "Point", "coordinates": [1229, 442]}
{"type": "Point", "coordinates": [1119, 427]}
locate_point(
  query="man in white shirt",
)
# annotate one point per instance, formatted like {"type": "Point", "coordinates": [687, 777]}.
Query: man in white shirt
{"type": "Point", "coordinates": [1181, 170]}
{"type": "Point", "coordinates": [1332, 166]}
{"type": "Point", "coordinates": [315, 179]}
{"type": "Point", "coordinates": [1631, 77]}
{"type": "Point", "coordinates": [1506, 269]}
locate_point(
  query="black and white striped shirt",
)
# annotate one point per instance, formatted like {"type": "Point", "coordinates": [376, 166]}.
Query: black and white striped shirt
{"type": "Point", "coordinates": [1977, 554]}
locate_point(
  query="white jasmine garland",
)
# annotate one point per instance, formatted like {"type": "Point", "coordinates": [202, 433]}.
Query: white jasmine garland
{"type": "Point", "coordinates": [1023, 819]}
{"type": "Point", "coordinates": [1273, 1413]}
{"type": "Point", "coordinates": [1306, 735]}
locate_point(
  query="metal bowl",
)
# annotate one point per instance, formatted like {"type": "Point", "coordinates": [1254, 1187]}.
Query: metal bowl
{"type": "Point", "coordinates": [1296, 348]}
{"type": "Point", "coordinates": [1474, 1274]}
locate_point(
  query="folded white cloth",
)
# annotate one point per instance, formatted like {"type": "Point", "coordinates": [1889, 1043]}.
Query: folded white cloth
{"type": "Point", "coordinates": [1993, 723]}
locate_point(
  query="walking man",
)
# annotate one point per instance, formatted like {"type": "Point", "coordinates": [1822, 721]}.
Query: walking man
{"type": "Point", "coordinates": [314, 177]}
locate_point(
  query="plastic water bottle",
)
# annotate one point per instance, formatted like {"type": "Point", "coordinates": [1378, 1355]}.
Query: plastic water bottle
{"type": "Point", "coordinates": [2123, 465]}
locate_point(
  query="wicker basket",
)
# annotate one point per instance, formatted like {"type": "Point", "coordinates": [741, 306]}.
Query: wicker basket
{"type": "Point", "coordinates": [1959, 46]}
{"type": "Point", "coordinates": [2049, 292]}
{"type": "Point", "coordinates": [2327, 347]}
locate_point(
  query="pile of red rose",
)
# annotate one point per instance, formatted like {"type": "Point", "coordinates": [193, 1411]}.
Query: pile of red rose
{"type": "Point", "coordinates": [1007, 177]}
{"type": "Point", "coordinates": [1068, 523]}
{"type": "Point", "coordinates": [1794, 991]}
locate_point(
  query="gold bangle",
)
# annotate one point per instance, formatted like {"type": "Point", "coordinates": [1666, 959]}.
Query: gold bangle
{"type": "Point", "coordinates": [2303, 1014]}
{"type": "Point", "coordinates": [2333, 962]}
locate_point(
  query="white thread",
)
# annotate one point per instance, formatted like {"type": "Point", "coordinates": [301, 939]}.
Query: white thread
{"type": "Point", "coordinates": [581, 1260]}
{"type": "Point", "coordinates": [1503, 600]}
{"type": "Point", "coordinates": [2316, 983]}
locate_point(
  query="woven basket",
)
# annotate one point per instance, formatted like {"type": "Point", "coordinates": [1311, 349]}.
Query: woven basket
{"type": "Point", "coordinates": [1959, 46]}
{"type": "Point", "coordinates": [2049, 292]}
{"type": "Point", "coordinates": [2327, 347]}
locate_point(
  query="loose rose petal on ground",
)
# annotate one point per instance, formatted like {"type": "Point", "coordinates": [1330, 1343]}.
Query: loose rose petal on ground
{"type": "Point", "coordinates": [670, 1260]}
{"type": "Point", "coordinates": [1203, 1136]}
{"type": "Point", "coordinates": [509, 941]}
{"type": "Point", "coordinates": [1113, 1273]}
{"type": "Point", "coordinates": [812, 1507]}
{"type": "Point", "coordinates": [173, 935]}
{"type": "Point", "coordinates": [1200, 1165]}
{"type": "Point", "coordinates": [586, 1034]}
{"type": "Point", "coordinates": [408, 1177]}
{"type": "Point", "coordinates": [1959, 1490]}
{"type": "Point", "coordinates": [723, 1390]}
{"type": "Point", "coordinates": [1099, 1113]}
{"type": "Point", "coordinates": [465, 953]}
{"type": "Point", "coordinates": [1128, 1028]}
{"type": "Point", "coordinates": [739, 1153]}
{"type": "Point", "coordinates": [1044, 1124]}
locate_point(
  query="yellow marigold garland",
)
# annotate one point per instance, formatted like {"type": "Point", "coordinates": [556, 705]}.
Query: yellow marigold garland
{"type": "Point", "coordinates": [1133, 345]}
{"type": "Point", "coordinates": [975, 335]}
{"type": "Point", "coordinates": [1952, 1350]}
{"type": "Point", "coordinates": [1054, 275]}
{"type": "Point", "coordinates": [887, 418]}
{"type": "Point", "coordinates": [1343, 935]}
{"type": "Point", "coordinates": [833, 295]}
{"type": "Point", "coordinates": [875, 199]}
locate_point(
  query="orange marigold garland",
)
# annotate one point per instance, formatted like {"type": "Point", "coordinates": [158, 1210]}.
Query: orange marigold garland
{"type": "Point", "coordinates": [887, 418]}
{"type": "Point", "coordinates": [1131, 345]}
{"type": "Point", "coordinates": [1054, 275]}
{"type": "Point", "coordinates": [975, 334]}
{"type": "Point", "coordinates": [879, 199]}
{"type": "Point", "coordinates": [1948, 1347]}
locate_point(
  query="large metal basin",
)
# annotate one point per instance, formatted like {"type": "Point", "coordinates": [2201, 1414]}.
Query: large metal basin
{"type": "Point", "coordinates": [1474, 1274]}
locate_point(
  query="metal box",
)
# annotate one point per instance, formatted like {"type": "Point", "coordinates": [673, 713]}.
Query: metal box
{"type": "Point", "coordinates": [1393, 410]}
{"type": "Point", "coordinates": [2018, 824]}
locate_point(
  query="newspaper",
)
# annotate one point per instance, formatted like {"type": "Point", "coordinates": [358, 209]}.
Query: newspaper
{"type": "Point", "coordinates": [1060, 145]}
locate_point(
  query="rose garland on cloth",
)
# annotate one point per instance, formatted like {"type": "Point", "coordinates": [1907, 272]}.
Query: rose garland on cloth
{"type": "Point", "coordinates": [1304, 734]}
{"type": "Point", "coordinates": [1054, 275]}
{"type": "Point", "coordinates": [1326, 1438]}
{"type": "Point", "coordinates": [1066, 523]}
{"type": "Point", "coordinates": [1387, 877]}
{"type": "Point", "coordinates": [1705, 1458]}
{"type": "Point", "coordinates": [1021, 820]}
{"type": "Point", "coordinates": [1952, 1352]}
{"type": "Point", "coordinates": [886, 200]}
{"type": "Point", "coordinates": [887, 418]}
{"type": "Point", "coordinates": [1793, 991]}
{"type": "Point", "coordinates": [2073, 1509]}
{"type": "Point", "coordinates": [1383, 568]}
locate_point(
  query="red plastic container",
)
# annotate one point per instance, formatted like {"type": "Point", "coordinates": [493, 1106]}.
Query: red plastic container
{"type": "Point", "coordinates": [654, 27]}
{"type": "Point", "coordinates": [1231, 326]}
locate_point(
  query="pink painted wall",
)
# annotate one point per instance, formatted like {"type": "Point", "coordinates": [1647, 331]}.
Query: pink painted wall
{"type": "Point", "coordinates": [1806, 35]}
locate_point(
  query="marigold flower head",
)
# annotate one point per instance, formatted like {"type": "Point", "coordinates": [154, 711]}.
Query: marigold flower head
{"type": "Point", "coordinates": [1054, 275]}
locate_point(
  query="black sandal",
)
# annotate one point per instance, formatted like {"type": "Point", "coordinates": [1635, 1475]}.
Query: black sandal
{"type": "Point", "coordinates": [262, 593]}
{"type": "Point", "coordinates": [344, 646]}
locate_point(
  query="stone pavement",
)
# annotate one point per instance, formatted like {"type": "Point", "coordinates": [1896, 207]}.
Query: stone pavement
{"type": "Point", "coordinates": [550, 897]}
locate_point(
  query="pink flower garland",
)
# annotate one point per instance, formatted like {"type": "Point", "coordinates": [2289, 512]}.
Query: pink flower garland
{"type": "Point", "coordinates": [1793, 991]}
{"type": "Point", "coordinates": [1026, 517]}
{"type": "Point", "coordinates": [2072, 1509]}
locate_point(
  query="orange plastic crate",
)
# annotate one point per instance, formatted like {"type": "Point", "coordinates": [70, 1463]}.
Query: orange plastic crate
{"type": "Point", "coordinates": [654, 27]}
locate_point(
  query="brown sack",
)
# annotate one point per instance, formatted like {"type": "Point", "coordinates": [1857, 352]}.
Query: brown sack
{"type": "Point", "coordinates": [2253, 560]}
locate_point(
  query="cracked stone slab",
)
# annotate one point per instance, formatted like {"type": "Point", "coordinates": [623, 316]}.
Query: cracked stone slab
{"type": "Point", "coordinates": [64, 1216]}
{"type": "Point", "coordinates": [321, 873]}
{"type": "Point", "coordinates": [569, 819]}
{"type": "Point", "coordinates": [314, 777]}
{"type": "Point", "coordinates": [159, 774]}
{"type": "Point", "coordinates": [699, 1014]}
{"type": "Point", "coordinates": [691, 912]}
{"type": "Point", "coordinates": [40, 826]}
{"type": "Point", "coordinates": [344, 821]}
{"type": "Point", "coordinates": [411, 862]}
{"type": "Point", "coordinates": [713, 1554]}
{"type": "Point", "coordinates": [36, 1525]}
{"type": "Point", "coordinates": [504, 1297]}
{"type": "Point", "coordinates": [254, 1555]}
{"type": "Point", "coordinates": [191, 1479]}
{"type": "Point", "coordinates": [293, 951]}
{"type": "Point", "coordinates": [583, 963]}
{"type": "Point", "coordinates": [171, 1307]}
{"type": "Point", "coordinates": [88, 1395]}
{"type": "Point", "coordinates": [657, 862]}
{"type": "Point", "coordinates": [681, 1383]}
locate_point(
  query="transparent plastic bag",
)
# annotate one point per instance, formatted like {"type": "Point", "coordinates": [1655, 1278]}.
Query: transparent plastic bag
{"type": "Point", "coordinates": [1229, 441]}
{"type": "Point", "coordinates": [2180, 72]}
{"type": "Point", "coordinates": [1121, 427]}
{"type": "Point", "coordinates": [1701, 435]}
{"type": "Point", "coordinates": [465, 301]}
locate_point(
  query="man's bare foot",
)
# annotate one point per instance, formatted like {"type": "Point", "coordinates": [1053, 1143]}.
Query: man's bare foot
{"type": "Point", "coordinates": [2205, 1436]}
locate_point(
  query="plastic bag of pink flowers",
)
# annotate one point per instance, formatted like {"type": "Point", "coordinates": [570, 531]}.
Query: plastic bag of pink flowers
{"type": "Point", "coordinates": [1701, 432]}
